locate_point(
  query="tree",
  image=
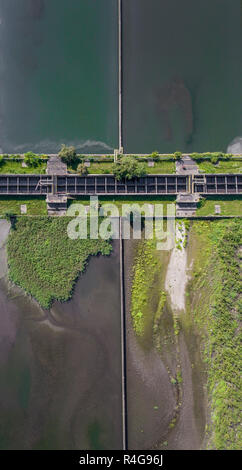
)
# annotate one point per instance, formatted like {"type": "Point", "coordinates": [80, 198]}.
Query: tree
{"type": "Point", "coordinates": [129, 168]}
{"type": "Point", "coordinates": [82, 169]}
{"type": "Point", "coordinates": [68, 154]}
{"type": "Point", "coordinates": [12, 218]}
{"type": "Point", "coordinates": [177, 155]}
{"type": "Point", "coordinates": [214, 159]}
{"type": "Point", "coordinates": [155, 156]}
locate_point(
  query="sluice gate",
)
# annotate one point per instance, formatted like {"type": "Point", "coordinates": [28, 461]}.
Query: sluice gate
{"type": "Point", "coordinates": [103, 185]}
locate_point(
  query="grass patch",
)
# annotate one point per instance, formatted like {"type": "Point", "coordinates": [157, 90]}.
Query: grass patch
{"type": "Point", "coordinates": [163, 167]}
{"type": "Point", "coordinates": [148, 297]}
{"type": "Point", "coordinates": [44, 261]}
{"type": "Point", "coordinates": [230, 205]}
{"type": "Point", "coordinates": [145, 270]}
{"type": "Point", "coordinates": [101, 168]}
{"type": "Point", "coordinates": [8, 167]}
{"type": "Point", "coordinates": [230, 166]}
{"type": "Point", "coordinates": [120, 200]}
{"type": "Point", "coordinates": [11, 204]}
{"type": "Point", "coordinates": [215, 302]}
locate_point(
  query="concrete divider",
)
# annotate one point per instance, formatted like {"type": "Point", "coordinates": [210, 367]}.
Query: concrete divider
{"type": "Point", "coordinates": [123, 342]}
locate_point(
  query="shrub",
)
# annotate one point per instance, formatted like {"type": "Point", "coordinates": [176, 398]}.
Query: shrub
{"type": "Point", "coordinates": [31, 159]}
{"type": "Point", "coordinates": [12, 218]}
{"type": "Point", "coordinates": [155, 156]}
{"type": "Point", "coordinates": [68, 154]}
{"type": "Point", "coordinates": [214, 159]}
{"type": "Point", "coordinates": [177, 155]}
{"type": "Point", "coordinates": [45, 262]}
{"type": "Point", "coordinates": [82, 169]}
{"type": "Point", "coordinates": [129, 168]}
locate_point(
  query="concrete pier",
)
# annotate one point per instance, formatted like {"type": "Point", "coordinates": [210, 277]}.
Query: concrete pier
{"type": "Point", "coordinates": [120, 76]}
{"type": "Point", "coordinates": [123, 343]}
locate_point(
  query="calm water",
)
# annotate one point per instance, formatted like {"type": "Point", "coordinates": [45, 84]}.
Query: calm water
{"type": "Point", "coordinates": [182, 74]}
{"type": "Point", "coordinates": [59, 68]}
{"type": "Point", "coordinates": [60, 372]}
{"type": "Point", "coordinates": [58, 75]}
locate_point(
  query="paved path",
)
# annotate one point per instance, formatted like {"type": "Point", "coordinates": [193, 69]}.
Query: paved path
{"type": "Point", "coordinates": [186, 166]}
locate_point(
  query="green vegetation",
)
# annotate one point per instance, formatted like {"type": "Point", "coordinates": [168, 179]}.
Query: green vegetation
{"type": "Point", "coordinates": [11, 204]}
{"type": "Point", "coordinates": [82, 169]}
{"type": "Point", "coordinates": [212, 156]}
{"type": "Point", "coordinates": [44, 261]}
{"type": "Point", "coordinates": [230, 205]}
{"type": "Point", "coordinates": [211, 323]}
{"type": "Point", "coordinates": [105, 168]}
{"type": "Point", "coordinates": [8, 167]}
{"type": "Point", "coordinates": [32, 160]}
{"type": "Point", "coordinates": [68, 154]}
{"type": "Point", "coordinates": [120, 200]}
{"type": "Point", "coordinates": [216, 162]}
{"type": "Point", "coordinates": [177, 155]}
{"type": "Point", "coordinates": [148, 297]}
{"type": "Point", "coordinates": [164, 167]}
{"type": "Point", "coordinates": [13, 164]}
{"type": "Point", "coordinates": [145, 270]}
{"type": "Point", "coordinates": [221, 166]}
{"type": "Point", "coordinates": [215, 303]}
{"type": "Point", "coordinates": [129, 168]}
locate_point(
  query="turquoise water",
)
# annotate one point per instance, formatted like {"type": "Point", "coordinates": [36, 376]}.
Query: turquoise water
{"type": "Point", "coordinates": [58, 75]}
{"type": "Point", "coordinates": [182, 74]}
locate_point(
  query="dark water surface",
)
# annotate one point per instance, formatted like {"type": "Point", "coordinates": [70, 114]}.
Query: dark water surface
{"type": "Point", "coordinates": [182, 74]}
{"type": "Point", "coordinates": [58, 75]}
{"type": "Point", "coordinates": [60, 371]}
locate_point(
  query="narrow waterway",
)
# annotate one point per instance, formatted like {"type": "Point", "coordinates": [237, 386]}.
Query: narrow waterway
{"type": "Point", "coordinates": [60, 385]}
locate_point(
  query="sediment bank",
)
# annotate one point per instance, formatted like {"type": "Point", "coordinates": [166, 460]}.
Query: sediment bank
{"type": "Point", "coordinates": [188, 340]}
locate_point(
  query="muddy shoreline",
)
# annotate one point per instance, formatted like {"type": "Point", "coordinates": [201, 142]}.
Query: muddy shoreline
{"type": "Point", "coordinates": [148, 384]}
{"type": "Point", "coordinates": [49, 350]}
{"type": "Point", "coordinates": [161, 416]}
{"type": "Point", "coordinates": [60, 369]}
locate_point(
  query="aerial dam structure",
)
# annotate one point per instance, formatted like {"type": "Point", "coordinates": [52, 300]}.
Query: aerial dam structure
{"type": "Point", "coordinates": [103, 185]}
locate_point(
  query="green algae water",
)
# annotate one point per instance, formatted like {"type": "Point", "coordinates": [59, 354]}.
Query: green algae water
{"type": "Point", "coordinates": [182, 75]}
{"type": "Point", "coordinates": [58, 75]}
